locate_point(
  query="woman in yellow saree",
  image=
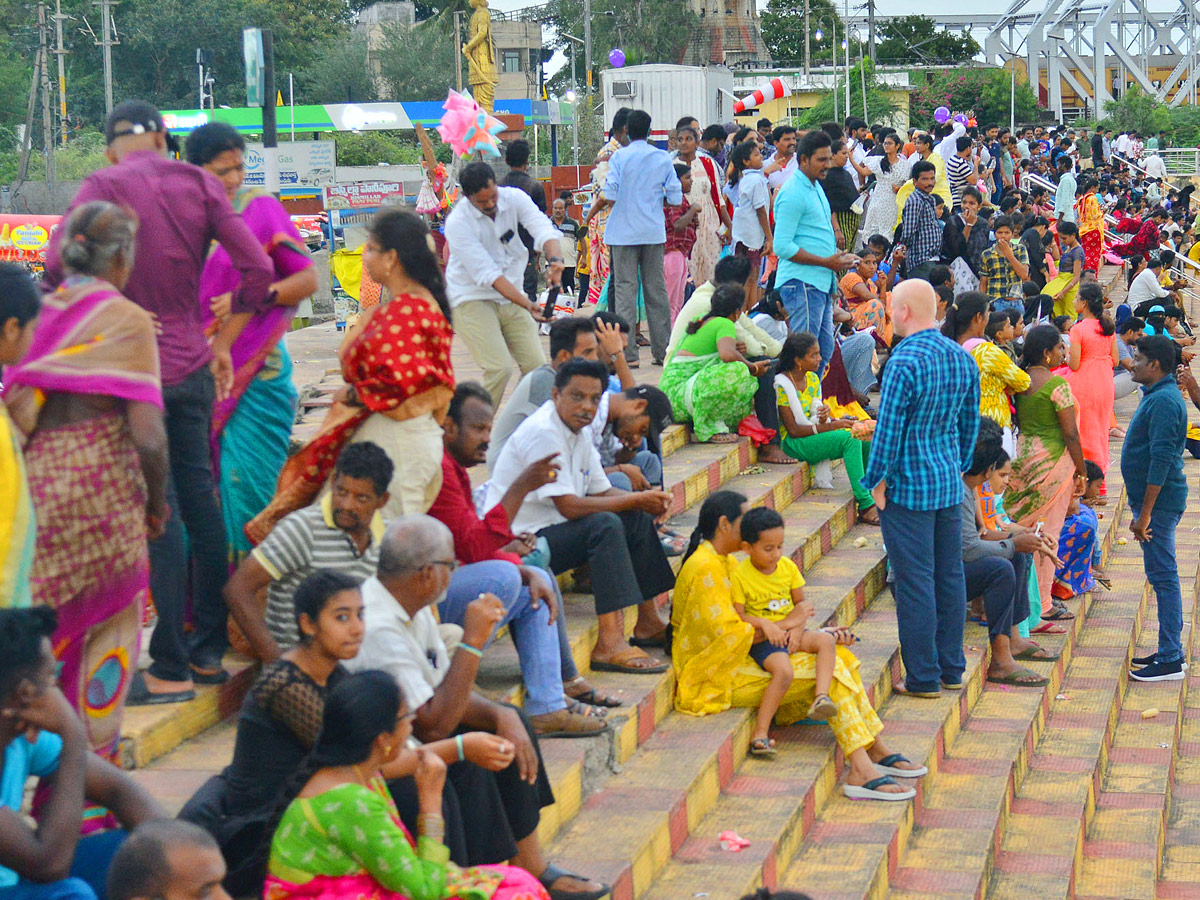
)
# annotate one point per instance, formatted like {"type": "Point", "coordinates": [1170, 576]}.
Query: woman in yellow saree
{"type": "Point", "coordinates": [714, 671]}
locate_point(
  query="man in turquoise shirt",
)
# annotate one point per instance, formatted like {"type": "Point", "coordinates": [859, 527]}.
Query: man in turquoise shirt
{"type": "Point", "coordinates": [806, 246]}
{"type": "Point", "coordinates": [640, 177]}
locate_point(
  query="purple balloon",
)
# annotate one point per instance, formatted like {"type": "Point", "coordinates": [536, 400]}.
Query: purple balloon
{"type": "Point", "coordinates": [616, 58]}
{"type": "Point", "coordinates": [961, 119]}
{"type": "Point", "coordinates": [941, 115]}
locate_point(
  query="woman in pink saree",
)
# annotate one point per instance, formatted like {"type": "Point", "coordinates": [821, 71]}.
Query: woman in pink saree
{"type": "Point", "coordinates": [252, 427]}
{"type": "Point", "coordinates": [88, 400]}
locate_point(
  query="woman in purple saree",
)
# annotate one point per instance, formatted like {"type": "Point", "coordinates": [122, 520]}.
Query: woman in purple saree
{"type": "Point", "coordinates": [252, 427]}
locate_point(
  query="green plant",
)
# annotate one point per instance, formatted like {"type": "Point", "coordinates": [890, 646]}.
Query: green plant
{"type": "Point", "coordinates": [879, 105]}
{"type": "Point", "coordinates": [1136, 110]}
{"type": "Point", "coordinates": [987, 91]}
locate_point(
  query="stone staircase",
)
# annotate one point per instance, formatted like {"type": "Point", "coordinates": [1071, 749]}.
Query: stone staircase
{"type": "Point", "coordinates": [1061, 791]}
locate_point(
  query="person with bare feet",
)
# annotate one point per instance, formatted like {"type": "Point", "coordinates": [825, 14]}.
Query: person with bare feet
{"type": "Point", "coordinates": [998, 569]}
{"type": "Point", "coordinates": [712, 644]}
{"type": "Point", "coordinates": [768, 593]}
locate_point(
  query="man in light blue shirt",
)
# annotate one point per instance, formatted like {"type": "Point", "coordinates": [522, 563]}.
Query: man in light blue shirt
{"type": "Point", "coordinates": [1064, 197]}
{"type": "Point", "coordinates": [806, 246]}
{"type": "Point", "coordinates": [640, 177]}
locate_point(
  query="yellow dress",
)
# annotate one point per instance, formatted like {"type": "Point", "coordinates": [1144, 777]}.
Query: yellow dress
{"type": "Point", "coordinates": [996, 374]}
{"type": "Point", "coordinates": [713, 669]}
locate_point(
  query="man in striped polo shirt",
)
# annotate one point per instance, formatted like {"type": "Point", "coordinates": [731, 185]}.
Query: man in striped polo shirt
{"type": "Point", "coordinates": [341, 531]}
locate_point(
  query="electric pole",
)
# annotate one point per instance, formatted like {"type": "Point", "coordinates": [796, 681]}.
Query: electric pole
{"type": "Point", "coordinates": [807, 45]}
{"type": "Point", "coordinates": [587, 47]}
{"type": "Point", "coordinates": [47, 107]}
{"type": "Point", "coordinates": [871, 27]}
{"type": "Point", "coordinates": [458, 56]}
{"type": "Point", "coordinates": [106, 43]}
{"type": "Point", "coordinates": [60, 52]}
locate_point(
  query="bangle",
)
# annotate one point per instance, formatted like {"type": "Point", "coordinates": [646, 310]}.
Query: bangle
{"type": "Point", "coordinates": [458, 744]}
{"type": "Point", "coordinates": [432, 826]}
{"type": "Point", "coordinates": [463, 645]}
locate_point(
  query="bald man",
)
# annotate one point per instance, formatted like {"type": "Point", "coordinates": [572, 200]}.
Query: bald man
{"type": "Point", "coordinates": [924, 441]}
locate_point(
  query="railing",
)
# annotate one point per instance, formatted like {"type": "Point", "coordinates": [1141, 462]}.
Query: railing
{"type": "Point", "coordinates": [1181, 161]}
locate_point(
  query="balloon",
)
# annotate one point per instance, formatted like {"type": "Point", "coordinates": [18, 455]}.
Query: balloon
{"type": "Point", "coordinates": [971, 123]}
{"type": "Point", "coordinates": [961, 119]}
{"type": "Point", "coordinates": [941, 115]}
{"type": "Point", "coordinates": [616, 58]}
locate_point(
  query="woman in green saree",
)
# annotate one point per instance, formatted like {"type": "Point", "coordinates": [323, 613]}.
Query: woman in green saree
{"type": "Point", "coordinates": [707, 379]}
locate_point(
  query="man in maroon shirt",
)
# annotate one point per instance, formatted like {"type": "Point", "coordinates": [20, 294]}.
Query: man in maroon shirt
{"type": "Point", "coordinates": [468, 429]}
{"type": "Point", "coordinates": [181, 210]}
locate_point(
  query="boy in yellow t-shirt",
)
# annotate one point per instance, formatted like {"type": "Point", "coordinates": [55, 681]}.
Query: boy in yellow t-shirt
{"type": "Point", "coordinates": [768, 593]}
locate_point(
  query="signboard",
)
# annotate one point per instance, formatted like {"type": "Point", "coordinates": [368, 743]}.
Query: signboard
{"type": "Point", "coordinates": [256, 66]}
{"type": "Point", "coordinates": [363, 194]}
{"type": "Point", "coordinates": [26, 238]}
{"type": "Point", "coordinates": [327, 117]}
{"type": "Point", "coordinates": [301, 163]}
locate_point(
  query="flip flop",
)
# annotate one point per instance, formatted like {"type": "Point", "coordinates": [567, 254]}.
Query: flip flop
{"type": "Point", "coordinates": [761, 747]}
{"type": "Point", "coordinates": [1058, 615]}
{"type": "Point", "coordinates": [552, 873]}
{"type": "Point", "coordinates": [592, 697]}
{"type": "Point", "coordinates": [621, 663]}
{"type": "Point", "coordinates": [140, 695]}
{"type": "Point", "coordinates": [1048, 628]}
{"type": "Point", "coordinates": [870, 790]}
{"type": "Point", "coordinates": [1014, 679]}
{"type": "Point", "coordinates": [1030, 654]}
{"type": "Point", "coordinates": [658, 641]}
{"type": "Point", "coordinates": [585, 709]}
{"type": "Point", "coordinates": [887, 766]}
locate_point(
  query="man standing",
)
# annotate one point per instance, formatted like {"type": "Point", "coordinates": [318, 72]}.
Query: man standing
{"type": "Point", "coordinates": [806, 245]}
{"type": "Point", "coordinates": [516, 157]}
{"type": "Point", "coordinates": [181, 210]}
{"type": "Point", "coordinates": [920, 228]}
{"type": "Point", "coordinates": [640, 178]}
{"type": "Point", "coordinates": [782, 164]}
{"type": "Point", "coordinates": [1152, 466]}
{"type": "Point", "coordinates": [1003, 268]}
{"type": "Point", "coordinates": [924, 441]}
{"type": "Point", "coordinates": [1023, 143]}
{"type": "Point", "coordinates": [962, 170]}
{"type": "Point", "coordinates": [494, 318]}
{"type": "Point", "coordinates": [1064, 196]}
{"type": "Point", "coordinates": [569, 245]}
{"type": "Point", "coordinates": [1098, 160]}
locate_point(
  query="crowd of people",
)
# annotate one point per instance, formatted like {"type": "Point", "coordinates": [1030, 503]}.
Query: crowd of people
{"type": "Point", "coordinates": [921, 306]}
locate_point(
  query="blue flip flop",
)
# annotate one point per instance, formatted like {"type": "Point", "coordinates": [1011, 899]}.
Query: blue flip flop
{"type": "Point", "coordinates": [870, 790]}
{"type": "Point", "coordinates": [887, 766]}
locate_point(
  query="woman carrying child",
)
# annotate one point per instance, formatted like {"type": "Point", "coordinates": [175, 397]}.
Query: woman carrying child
{"type": "Point", "coordinates": [714, 671]}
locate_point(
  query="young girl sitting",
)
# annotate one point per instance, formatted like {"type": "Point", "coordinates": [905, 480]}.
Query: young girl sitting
{"type": "Point", "coordinates": [768, 593]}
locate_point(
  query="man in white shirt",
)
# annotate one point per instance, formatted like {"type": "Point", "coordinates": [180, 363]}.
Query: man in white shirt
{"type": "Point", "coordinates": [783, 162]}
{"type": "Point", "coordinates": [640, 177]}
{"type": "Point", "coordinates": [856, 133]}
{"type": "Point", "coordinates": [585, 519]}
{"type": "Point", "coordinates": [1023, 143]}
{"type": "Point", "coordinates": [947, 147]}
{"type": "Point", "coordinates": [492, 315]}
{"type": "Point", "coordinates": [415, 564]}
{"type": "Point", "coordinates": [1155, 166]}
{"type": "Point", "coordinates": [1146, 285]}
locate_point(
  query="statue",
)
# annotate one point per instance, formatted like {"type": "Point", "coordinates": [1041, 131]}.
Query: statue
{"type": "Point", "coordinates": [480, 51]}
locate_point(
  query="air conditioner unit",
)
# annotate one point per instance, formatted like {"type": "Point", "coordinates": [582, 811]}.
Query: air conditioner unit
{"type": "Point", "coordinates": [624, 89]}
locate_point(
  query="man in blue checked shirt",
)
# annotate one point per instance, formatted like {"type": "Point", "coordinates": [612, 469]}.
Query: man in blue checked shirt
{"type": "Point", "coordinates": [924, 441]}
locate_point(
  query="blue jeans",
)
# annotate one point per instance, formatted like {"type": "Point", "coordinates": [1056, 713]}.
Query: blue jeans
{"type": "Point", "coordinates": [536, 639]}
{"type": "Point", "coordinates": [925, 551]}
{"type": "Point", "coordinates": [1158, 556]}
{"type": "Point", "coordinates": [810, 309]}
{"type": "Point", "coordinates": [651, 466]}
{"type": "Point", "coordinates": [195, 530]}
{"type": "Point", "coordinates": [1008, 303]}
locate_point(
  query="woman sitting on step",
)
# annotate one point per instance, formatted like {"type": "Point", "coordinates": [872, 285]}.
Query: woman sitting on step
{"type": "Point", "coordinates": [714, 671]}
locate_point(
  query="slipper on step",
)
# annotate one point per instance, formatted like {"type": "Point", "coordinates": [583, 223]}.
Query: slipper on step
{"type": "Point", "coordinates": [761, 747]}
{"type": "Point", "coordinates": [659, 640]}
{"type": "Point", "coordinates": [622, 662]}
{"type": "Point", "coordinates": [1048, 628]}
{"type": "Point", "coordinates": [870, 790]}
{"type": "Point", "coordinates": [887, 766]}
{"type": "Point", "coordinates": [1058, 614]}
{"type": "Point", "coordinates": [1030, 654]}
{"type": "Point", "coordinates": [1019, 679]}
{"type": "Point", "coordinates": [140, 695]}
{"type": "Point", "coordinates": [552, 873]}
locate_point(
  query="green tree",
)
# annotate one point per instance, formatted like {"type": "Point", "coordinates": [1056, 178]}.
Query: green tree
{"type": "Point", "coordinates": [417, 63]}
{"type": "Point", "coordinates": [1136, 110]}
{"type": "Point", "coordinates": [916, 39]}
{"type": "Point", "coordinates": [986, 91]}
{"type": "Point", "coordinates": [646, 31]}
{"type": "Point", "coordinates": [341, 74]}
{"type": "Point", "coordinates": [783, 30]}
{"type": "Point", "coordinates": [879, 105]}
{"type": "Point", "coordinates": [396, 148]}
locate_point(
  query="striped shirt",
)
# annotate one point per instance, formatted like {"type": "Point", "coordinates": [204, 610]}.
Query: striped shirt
{"type": "Point", "coordinates": [958, 174]}
{"type": "Point", "coordinates": [300, 544]}
{"type": "Point", "coordinates": [928, 420]}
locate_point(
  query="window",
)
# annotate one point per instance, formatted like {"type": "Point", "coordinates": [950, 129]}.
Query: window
{"type": "Point", "coordinates": [510, 60]}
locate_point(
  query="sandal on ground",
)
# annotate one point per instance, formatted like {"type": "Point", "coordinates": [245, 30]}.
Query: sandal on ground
{"type": "Point", "coordinates": [764, 748]}
{"type": "Point", "coordinates": [563, 723]}
{"type": "Point", "coordinates": [552, 873]}
{"type": "Point", "coordinates": [870, 790]}
{"type": "Point", "coordinates": [591, 696]}
{"type": "Point", "coordinates": [141, 695]}
{"type": "Point", "coordinates": [624, 662]}
{"type": "Point", "coordinates": [887, 766]}
{"type": "Point", "coordinates": [822, 709]}
{"type": "Point", "coordinates": [642, 340]}
{"type": "Point", "coordinates": [1103, 582]}
{"type": "Point", "coordinates": [672, 544]}
{"type": "Point", "coordinates": [1058, 614]}
{"type": "Point", "coordinates": [657, 641]}
{"type": "Point", "coordinates": [924, 695]}
{"type": "Point", "coordinates": [1048, 628]}
{"type": "Point", "coordinates": [1020, 678]}
{"type": "Point", "coordinates": [722, 437]}
{"type": "Point", "coordinates": [209, 676]}
{"type": "Point", "coordinates": [869, 516]}
{"type": "Point", "coordinates": [1031, 654]}
{"type": "Point", "coordinates": [584, 709]}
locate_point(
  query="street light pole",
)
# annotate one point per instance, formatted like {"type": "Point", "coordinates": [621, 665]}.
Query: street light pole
{"type": "Point", "coordinates": [807, 48]}
{"type": "Point", "coordinates": [846, 41]}
{"type": "Point", "coordinates": [834, 56]}
{"type": "Point", "coordinates": [587, 46]}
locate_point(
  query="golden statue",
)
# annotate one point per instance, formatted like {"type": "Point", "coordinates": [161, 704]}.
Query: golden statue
{"type": "Point", "coordinates": [480, 51]}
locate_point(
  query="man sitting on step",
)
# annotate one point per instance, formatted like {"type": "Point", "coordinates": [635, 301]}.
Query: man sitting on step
{"type": "Point", "coordinates": [415, 566]}
{"type": "Point", "coordinates": [585, 519]}
{"type": "Point", "coordinates": [537, 614]}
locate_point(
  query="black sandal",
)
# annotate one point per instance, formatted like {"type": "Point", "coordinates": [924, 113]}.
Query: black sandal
{"type": "Point", "coordinates": [591, 696]}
